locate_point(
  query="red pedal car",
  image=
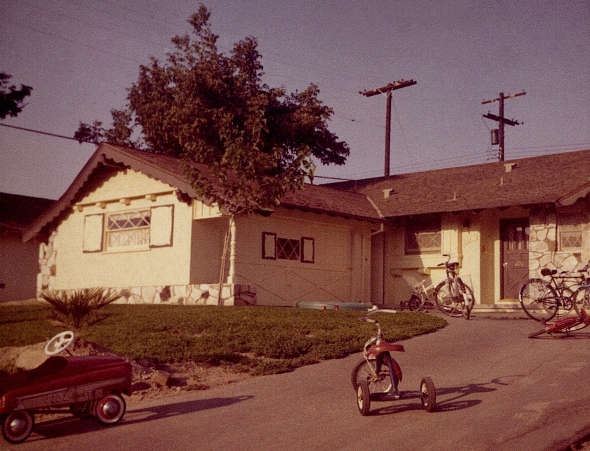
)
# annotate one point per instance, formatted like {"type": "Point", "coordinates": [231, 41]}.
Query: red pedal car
{"type": "Point", "coordinates": [83, 386]}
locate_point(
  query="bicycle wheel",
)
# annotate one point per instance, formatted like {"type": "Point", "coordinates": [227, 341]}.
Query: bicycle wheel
{"type": "Point", "coordinates": [538, 300]}
{"type": "Point", "coordinates": [468, 298]}
{"type": "Point", "coordinates": [566, 300]}
{"type": "Point", "coordinates": [581, 299]}
{"type": "Point", "coordinates": [414, 303]}
{"type": "Point", "coordinates": [445, 302]}
{"type": "Point", "coordinates": [365, 371]}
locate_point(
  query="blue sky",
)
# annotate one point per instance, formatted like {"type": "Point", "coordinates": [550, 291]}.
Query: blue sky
{"type": "Point", "coordinates": [81, 56]}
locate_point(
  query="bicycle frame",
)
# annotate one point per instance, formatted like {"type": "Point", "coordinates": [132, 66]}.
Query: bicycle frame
{"type": "Point", "coordinates": [578, 277]}
{"type": "Point", "coordinates": [460, 299]}
{"type": "Point", "coordinates": [542, 299]}
{"type": "Point", "coordinates": [567, 300]}
{"type": "Point", "coordinates": [419, 291]}
{"type": "Point", "coordinates": [564, 325]}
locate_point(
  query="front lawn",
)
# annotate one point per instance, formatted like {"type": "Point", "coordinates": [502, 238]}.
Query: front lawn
{"type": "Point", "coordinates": [257, 340]}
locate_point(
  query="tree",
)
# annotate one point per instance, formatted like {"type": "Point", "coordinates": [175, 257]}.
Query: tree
{"type": "Point", "coordinates": [207, 107]}
{"type": "Point", "coordinates": [11, 98]}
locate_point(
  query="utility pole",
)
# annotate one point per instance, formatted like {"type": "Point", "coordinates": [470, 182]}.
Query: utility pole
{"type": "Point", "coordinates": [387, 91]}
{"type": "Point", "coordinates": [501, 121]}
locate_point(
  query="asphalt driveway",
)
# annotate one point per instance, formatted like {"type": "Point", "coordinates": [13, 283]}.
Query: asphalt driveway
{"type": "Point", "coordinates": [496, 390]}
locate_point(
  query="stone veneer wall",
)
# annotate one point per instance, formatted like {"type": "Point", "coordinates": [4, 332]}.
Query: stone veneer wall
{"type": "Point", "coordinates": [543, 251]}
{"type": "Point", "coordinates": [201, 294]}
{"type": "Point", "coordinates": [47, 254]}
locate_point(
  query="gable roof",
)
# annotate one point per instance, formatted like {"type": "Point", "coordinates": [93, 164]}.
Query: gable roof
{"type": "Point", "coordinates": [559, 179]}
{"type": "Point", "coordinates": [17, 212]}
{"type": "Point", "coordinates": [169, 170]}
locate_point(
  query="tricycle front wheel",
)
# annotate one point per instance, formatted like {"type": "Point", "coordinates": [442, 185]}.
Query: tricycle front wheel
{"type": "Point", "coordinates": [428, 394]}
{"type": "Point", "coordinates": [109, 409]}
{"type": "Point", "coordinates": [365, 371]}
{"type": "Point", "coordinates": [17, 426]}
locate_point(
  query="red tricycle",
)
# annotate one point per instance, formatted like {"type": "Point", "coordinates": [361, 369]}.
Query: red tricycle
{"type": "Point", "coordinates": [82, 386]}
{"type": "Point", "coordinates": [376, 377]}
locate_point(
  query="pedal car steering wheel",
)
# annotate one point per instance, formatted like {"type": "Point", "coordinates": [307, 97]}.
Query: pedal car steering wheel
{"type": "Point", "coordinates": [59, 343]}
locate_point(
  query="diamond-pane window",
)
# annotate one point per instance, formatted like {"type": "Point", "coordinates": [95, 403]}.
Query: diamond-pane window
{"type": "Point", "coordinates": [423, 235]}
{"type": "Point", "coordinates": [288, 249]}
{"type": "Point", "coordinates": [570, 230]}
{"type": "Point", "coordinates": [129, 229]}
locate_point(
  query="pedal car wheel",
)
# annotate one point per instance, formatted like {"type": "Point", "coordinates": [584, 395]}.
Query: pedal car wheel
{"type": "Point", "coordinates": [17, 426]}
{"type": "Point", "coordinates": [428, 394]}
{"type": "Point", "coordinates": [109, 409]}
{"type": "Point", "coordinates": [363, 398]}
{"type": "Point", "coordinates": [59, 343]}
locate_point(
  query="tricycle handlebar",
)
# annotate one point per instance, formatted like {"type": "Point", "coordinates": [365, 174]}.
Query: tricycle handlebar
{"type": "Point", "coordinates": [374, 310]}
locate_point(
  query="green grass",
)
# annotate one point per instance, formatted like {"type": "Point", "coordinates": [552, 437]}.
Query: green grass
{"type": "Point", "coordinates": [258, 340]}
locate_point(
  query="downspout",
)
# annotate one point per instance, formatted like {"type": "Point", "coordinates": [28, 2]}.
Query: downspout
{"type": "Point", "coordinates": [381, 230]}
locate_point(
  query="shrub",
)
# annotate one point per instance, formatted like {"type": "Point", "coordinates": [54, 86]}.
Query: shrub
{"type": "Point", "coordinates": [79, 307]}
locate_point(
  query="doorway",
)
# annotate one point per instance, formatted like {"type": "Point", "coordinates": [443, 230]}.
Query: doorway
{"type": "Point", "coordinates": [515, 255]}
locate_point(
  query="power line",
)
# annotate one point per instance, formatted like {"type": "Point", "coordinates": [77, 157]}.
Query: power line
{"type": "Point", "coordinates": [45, 133]}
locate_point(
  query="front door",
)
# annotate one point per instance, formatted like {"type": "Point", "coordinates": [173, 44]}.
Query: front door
{"type": "Point", "coordinates": [515, 255]}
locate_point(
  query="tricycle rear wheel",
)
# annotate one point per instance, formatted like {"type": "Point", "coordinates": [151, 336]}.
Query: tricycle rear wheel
{"type": "Point", "coordinates": [17, 426]}
{"type": "Point", "coordinates": [363, 398]}
{"type": "Point", "coordinates": [428, 394]}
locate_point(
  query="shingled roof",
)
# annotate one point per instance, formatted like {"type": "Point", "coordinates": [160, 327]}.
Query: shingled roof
{"type": "Point", "coordinates": [558, 179]}
{"type": "Point", "coordinates": [316, 198]}
{"type": "Point", "coordinates": [17, 212]}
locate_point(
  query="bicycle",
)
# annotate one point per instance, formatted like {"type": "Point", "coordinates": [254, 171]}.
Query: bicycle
{"type": "Point", "coordinates": [541, 300]}
{"type": "Point", "coordinates": [453, 297]}
{"type": "Point", "coordinates": [419, 299]}
{"type": "Point", "coordinates": [377, 375]}
{"type": "Point", "coordinates": [564, 325]}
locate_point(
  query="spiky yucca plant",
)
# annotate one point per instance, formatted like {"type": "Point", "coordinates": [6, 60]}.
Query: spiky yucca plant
{"type": "Point", "coordinates": [79, 307]}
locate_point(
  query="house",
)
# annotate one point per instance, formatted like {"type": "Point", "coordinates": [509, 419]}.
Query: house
{"type": "Point", "coordinates": [130, 221]}
{"type": "Point", "coordinates": [19, 262]}
{"type": "Point", "coordinates": [501, 221]}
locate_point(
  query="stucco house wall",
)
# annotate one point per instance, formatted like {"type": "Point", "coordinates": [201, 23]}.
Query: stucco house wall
{"type": "Point", "coordinates": [126, 191]}
{"type": "Point", "coordinates": [336, 271]}
{"type": "Point", "coordinates": [19, 261]}
{"type": "Point", "coordinates": [120, 226]}
{"type": "Point", "coordinates": [18, 268]}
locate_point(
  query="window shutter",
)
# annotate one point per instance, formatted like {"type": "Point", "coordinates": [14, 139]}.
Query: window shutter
{"type": "Point", "coordinates": [93, 233]}
{"type": "Point", "coordinates": [308, 250]}
{"type": "Point", "coordinates": [161, 226]}
{"type": "Point", "coordinates": [269, 245]}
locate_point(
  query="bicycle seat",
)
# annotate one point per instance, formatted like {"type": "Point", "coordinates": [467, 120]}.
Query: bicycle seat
{"type": "Point", "coordinates": [548, 272]}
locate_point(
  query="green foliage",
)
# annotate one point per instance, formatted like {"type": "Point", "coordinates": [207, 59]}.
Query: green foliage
{"type": "Point", "coordinates": [258, 340]}
{"type": "Point", "coordinates": [25, 325]}
{"type": "Point", "coordinates": [80, 307]}
{"type": "Point", "coordinates": [11, 98]}
{"type": "Point", "coordinates": [204, 106]}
